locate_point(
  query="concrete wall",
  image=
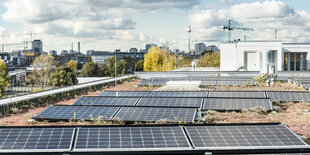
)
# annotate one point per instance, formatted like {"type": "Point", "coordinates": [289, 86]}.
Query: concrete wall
{"type": "Point", "coordinates": [233, 54]}
{"type": "Point", "coordinates": [228, 57]}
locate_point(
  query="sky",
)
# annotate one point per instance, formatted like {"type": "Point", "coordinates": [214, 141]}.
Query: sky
{"type": "Point", "coordinates": [123, 24]}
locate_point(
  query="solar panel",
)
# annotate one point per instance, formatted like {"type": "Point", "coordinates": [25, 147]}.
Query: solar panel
{"type": "Point", "coordinates": [145, 114]}
{"type": "Point", "coordinates": [235, 104]}
{"type": "Point", "coordinates": [152, 82]}
{"type": "Point", "coordinates": [236, 94]}
{"type": "Point", "coordinates": [180, 94]}
{"type": "Point", "coordinates": [131, 139]}
{"type": "Point", "coordinates": [35, 139]}
{"type": "Point", "coordinates": [171, 102]}
{"type": "Point", "coordinates": [235, 82]}
{"type": "Point", "coordinates": [126, 93]}
{"type": "Point", "coordinates": [289, 96]}
{"type": "Point", "coordinates": [243, 137]}
{"type": "Point", "coordinates": [106, 101]}
{"type": "Point", "coordinates": [76, 112]}
{"type": "Point", "coordinates": [208, 83]}
{"type": "Point", "coordinates": [235, 78]}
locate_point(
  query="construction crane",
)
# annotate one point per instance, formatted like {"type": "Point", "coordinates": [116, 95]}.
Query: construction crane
{"type": "Point", "coordinates": [232, 25]}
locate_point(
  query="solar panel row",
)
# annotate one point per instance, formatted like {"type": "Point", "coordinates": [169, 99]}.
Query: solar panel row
{"type": "Point", "coordinates": [134, 101]}
{"type": "Point", "coordinates": [289, 96]}
{"type": "Point", "coordinates": [223, 104]}
{"type": "Point", "coordinates": [221, 94]}
{"type": "Point", "coordinates": [143, 114]}
{"type": "Point", "coordinates": [274, 96]}
{"type": "Point", "coordinates": [151, 138]}
{"type": "Point", "coordinates": [208, 78]}
{"type": "Point", "coordinates": [203, 83]}
{"type": "Point", "coordinates": [152, 82]}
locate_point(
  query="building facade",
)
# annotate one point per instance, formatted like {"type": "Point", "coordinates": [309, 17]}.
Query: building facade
{"type": "Point", "coordinates": [199, 48]}
{"type": "Point", "coordinates": [261, 55]}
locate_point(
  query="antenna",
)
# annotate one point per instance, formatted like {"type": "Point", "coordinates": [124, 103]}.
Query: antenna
{"type": "Point", "coordinates": [189, 31]}
{"type": "Point", "coordinates": [275, 34]}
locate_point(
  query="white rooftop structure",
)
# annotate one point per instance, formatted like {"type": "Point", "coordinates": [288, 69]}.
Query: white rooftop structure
{"type": "Point", "coordinates": [262, 55]}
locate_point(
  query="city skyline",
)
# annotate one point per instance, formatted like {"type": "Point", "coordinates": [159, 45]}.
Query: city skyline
{"type": "Point", "coordinates": [118, 24]}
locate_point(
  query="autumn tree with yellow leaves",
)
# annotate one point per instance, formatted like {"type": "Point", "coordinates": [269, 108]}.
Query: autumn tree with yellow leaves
{"type": "Point", "coordinates": [210, 60]}
{"type": "Point", "coordinates": [158, 59]}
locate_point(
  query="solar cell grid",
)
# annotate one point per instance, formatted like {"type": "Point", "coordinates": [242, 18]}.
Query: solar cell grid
{"type": "Point", "coordinates": [131, 138]}
{"type": "Point", "coordinates": [208, 83]}
{"type": "Point", "coordinates": [126, 93]}
{"type": "Point", "coordinates": [231, 94]}
{"type": "Point", "coordinates": [179, 94]}
{"type": "Point", "coordinates": [235, 82]}
{"type": "Point", "coordinates": [76, 112]}
{"type": "Point", "coordinates": [106, 101]}
{"type": "Point", "coordinates": [171, 102]}
{"type": "Point", "coordinates": [235, 104]}
{"type": "Point", "coordinates": [152, 82]}
{"type": "Point", "coordinates": [145, 114]}
{"type": "Point", "coordinates": [242, 136]}
{"type": "Point", "coordinates": [35, 139]}
{"type": "Point", "coordinates": [288, 96]}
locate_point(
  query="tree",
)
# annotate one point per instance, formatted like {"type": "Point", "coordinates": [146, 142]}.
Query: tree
{"type": "Point", "coordinates": [111, 65]}
{"type": "Point", "coordinates": [121, 67]}
{"type": "Point", "coordinates": [4, 79]}
{"type": "Point", "coordinates": [210, 60]}
{"type": "Point", "coordinates": [158, 59]}
{"type": "Point", "coordinates": [139, 65]}
{"type": "Point", "coordinates": [72, 65]}
{"type": "Point", "coordinates": [43, 66]}
{"type": "Point", "coordinates": [79, 65]}
{"type": "Point", "coordinates": [105, 70]}
{"type": "Point", "coordinates": [205, 52]}
{"type": "Point", "coordinates": [63, 76]}
{"type": "Point", "coordinates": [89, 69]}
{"type": "Point", "coordinates": [130, 64]}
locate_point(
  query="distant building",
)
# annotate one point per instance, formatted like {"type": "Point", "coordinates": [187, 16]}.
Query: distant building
{"type": "Point", "coordinates": [101, 57]}
{"type": "Point", "coordinates": [148, 46]}
{"type": "Point", "coordinates": [64, 52]}
{"type": "Point", "coordinates": [53, 52]}
{"type": "Point", "coordinates": [199, 48]}
{"type": "Point", "coordinates": [133, 50]}
{"type": "Point", "coordinates": [212, 48]}
{"type": "Point", "coordinates": [37, 46]}
{"type": "Point", "coordinates": [117, 50]}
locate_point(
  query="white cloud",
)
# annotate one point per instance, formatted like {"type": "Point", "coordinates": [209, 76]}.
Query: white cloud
{"type": "Point", "coordinates": [264, 17]}
{"type": "Point", "coordinates": [105, 20]}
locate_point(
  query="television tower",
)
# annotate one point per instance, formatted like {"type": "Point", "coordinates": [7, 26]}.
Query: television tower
{"type": "Point", "coordinates": [189, 37]}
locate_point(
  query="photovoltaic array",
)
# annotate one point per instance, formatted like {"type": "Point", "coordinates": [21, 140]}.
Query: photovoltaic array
{"type": "Point", "coordinates": [235, 82]}
{"type": "Point", "coordinates": [223, 104]}
{"type": "Point", "coordinates": [243, 136]}
{"type": "Point", "coordinates": [289, 96]}
{"type": "Point", "coordinates": [221, 138]}
{"type": "Point", "coordinates": [155, 114]}
{"type": "Point", "coordinates": [106, 101]}
{"type": "Point", "coordinates": [180, 94]}
{"type": "Point", "coordinates": [126, 93]}
{"type": "Point", "coordinates": [145, 82]}
{"type": "Point", "coordinates": [171, 102]}
{"type": "Point", "coordinates": [76, 113]}
{"type": "Point", "coordinates": [131, 138]}
{"type": "Point", "coordinates": [236, 94]}
{"type": "Point", "coordinates": [35, 139]}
